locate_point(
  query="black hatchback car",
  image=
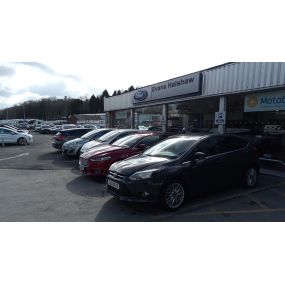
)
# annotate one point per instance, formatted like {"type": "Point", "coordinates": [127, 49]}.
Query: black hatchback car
{"type": "Point", "coordinates": [66, 135]}
{"type": "Point", "coordinates": [184, 165]}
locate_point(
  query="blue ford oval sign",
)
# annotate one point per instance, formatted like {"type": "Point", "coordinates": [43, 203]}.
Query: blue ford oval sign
{"type": "Point", "coordinates": [140, 95]}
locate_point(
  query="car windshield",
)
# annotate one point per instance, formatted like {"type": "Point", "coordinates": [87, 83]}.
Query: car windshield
{"type": "Point", "coordinates": [109, 136]}
{"type": "Point", "coordinates": [127, 141]}
{"type": "Point", "coordinates": [89, 135]}
{"type": "Point", "coordinates": [172, 147]}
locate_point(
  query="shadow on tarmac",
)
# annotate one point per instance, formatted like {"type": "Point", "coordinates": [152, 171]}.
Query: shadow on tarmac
{"type": "Point", "coordinates": [115, 210]}
{"type": "Point", "coordinates": [57, 159]}
{"type": "Point", "coordinates": [85, 186]}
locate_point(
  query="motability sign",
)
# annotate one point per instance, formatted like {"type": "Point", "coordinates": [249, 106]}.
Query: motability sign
{"type": "Point", "coordinates": [269, 101]}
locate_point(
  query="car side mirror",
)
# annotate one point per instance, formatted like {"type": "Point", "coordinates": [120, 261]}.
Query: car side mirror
{"type": "Point", "coordinates": [141, 147]}
{"type": "Point", "coordinates": [199, 155]}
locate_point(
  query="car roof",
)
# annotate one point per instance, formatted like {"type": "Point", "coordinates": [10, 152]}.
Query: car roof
{"type": "Point", "coordinates": [200, 136]}
{"type": "Point", "coordinates": [9, 129]}
{"type": "Point", "coordinates": [74, 129]}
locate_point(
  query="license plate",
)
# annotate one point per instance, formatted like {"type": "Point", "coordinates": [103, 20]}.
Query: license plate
{"type": "Point", "coordinates": [114, 184]}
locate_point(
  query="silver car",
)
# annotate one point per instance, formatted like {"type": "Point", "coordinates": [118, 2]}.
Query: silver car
{"type": "Point", "coordinates": [73, 147]}
{"type": "Point", "coordinates": [108, 139]}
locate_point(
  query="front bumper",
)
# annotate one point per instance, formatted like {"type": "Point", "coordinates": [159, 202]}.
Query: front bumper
{"type": "Point", "coordinates": [69, 151]}
{"type": "Point", "coordinates": [57, 145]}
{"type": "Point", "coordinates": [30, 140]}
{"type": "Point", "coordinates": [145, 191]}
{"type": "Point", "coordinates": [92, 170]}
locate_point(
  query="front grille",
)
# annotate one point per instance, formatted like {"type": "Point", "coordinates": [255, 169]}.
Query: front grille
{"type": "Point", "coordinates": [114, 191]}
{"type": "Point", "coordinates": [116, 175]}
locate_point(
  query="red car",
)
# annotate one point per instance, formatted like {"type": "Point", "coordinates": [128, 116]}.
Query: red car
{"type": "Point", "coordinates": [98, 161]}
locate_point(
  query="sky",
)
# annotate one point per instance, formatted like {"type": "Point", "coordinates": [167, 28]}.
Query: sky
{"type": "Point", "coordinates": [79, 48]}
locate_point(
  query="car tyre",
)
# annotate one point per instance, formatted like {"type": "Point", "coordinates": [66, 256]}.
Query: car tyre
{"type": "Point", "coordinates": [173, 195]}
{"type": "Point", "coordinates": [22, 141]}
{"type": "Point", "coordinates": [78, 153]}
{"type": "Point", "coordinates": [251, 176]}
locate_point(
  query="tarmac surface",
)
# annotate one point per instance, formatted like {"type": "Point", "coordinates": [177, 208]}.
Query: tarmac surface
{"type": "Point", "coordinates": [38, 184]}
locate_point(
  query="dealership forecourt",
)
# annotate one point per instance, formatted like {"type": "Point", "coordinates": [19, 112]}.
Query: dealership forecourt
{"type": "Point", "coordinates": [38, 184]}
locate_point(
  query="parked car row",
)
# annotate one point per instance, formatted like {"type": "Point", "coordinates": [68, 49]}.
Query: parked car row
{"type": "Point", "coordinates": [97, 161]}
{"type": "Point", "coordinates": [184, 166]}
{"type": "Point", "coordinates": [73, 147]}
{"type": "Point", "coordinates": [148, 166]}
{"type": "Point", "coordinates": [53, 129]}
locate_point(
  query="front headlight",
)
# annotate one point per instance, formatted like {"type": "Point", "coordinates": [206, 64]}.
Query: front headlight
{"type": "Point", "coordinates": [71, 145]}
{"type": "Point", "coordinates": [98, 159]}
{"type": "Point", "coordinates": [141, 175]}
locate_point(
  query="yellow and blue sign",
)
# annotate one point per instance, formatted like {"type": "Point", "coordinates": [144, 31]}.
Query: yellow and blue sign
{"type": "Point", "coordinates": [269, 101]}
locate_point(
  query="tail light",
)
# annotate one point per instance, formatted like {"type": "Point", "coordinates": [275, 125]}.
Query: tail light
{"type": "Point", "coordinates": [59, 138]}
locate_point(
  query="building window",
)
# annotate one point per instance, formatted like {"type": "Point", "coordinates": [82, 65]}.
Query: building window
{"type": "Point", "coordinates": [193, 113]}
{"type": "Point", "coordinates": [148, 117]}
{"type": "Point", "coordinates": [122, 119]}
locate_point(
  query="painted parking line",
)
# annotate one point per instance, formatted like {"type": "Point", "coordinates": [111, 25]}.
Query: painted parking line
{"type": "Point", "coordinates": [188, 211]}
{"type": "Point", "coordinates": [233, 212]}
{"type": "Point", "coordinates": [259, 203]}
{"type": "Point", "coordinates": [16, 156]}
{"type": "Point", "coordinates": [214, 201]}
{"type": "Point", "coordinates": [278, 192]}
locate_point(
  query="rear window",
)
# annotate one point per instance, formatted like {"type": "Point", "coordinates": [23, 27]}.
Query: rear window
{"type": "Point", "coordinates": [95, 134]}
{"type": "Point", "coordinates": [109, 136]}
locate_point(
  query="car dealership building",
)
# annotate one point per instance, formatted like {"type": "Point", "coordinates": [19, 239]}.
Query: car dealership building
{"type": "Point", "coordinates": [235, 95]}
{"type": "Point", "coordinates": [251, 95]}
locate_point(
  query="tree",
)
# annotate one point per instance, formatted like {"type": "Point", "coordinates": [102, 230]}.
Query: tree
{"type": "Point", "coordinates": [105, 94]}
{"type": "Point", "coordinates": [115, 93]}
{"type": "Point", "coordinates": [131, 88]}
{"type": "Point", "coordinates": [75, 106]}
{"type": "Point", "coordinates": [92, 104]}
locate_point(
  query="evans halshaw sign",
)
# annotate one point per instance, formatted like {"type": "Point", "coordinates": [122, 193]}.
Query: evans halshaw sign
{"type": "Point", "coordinates": [269, 101]}
{"type": "Point", "coordinates": [187, 84]}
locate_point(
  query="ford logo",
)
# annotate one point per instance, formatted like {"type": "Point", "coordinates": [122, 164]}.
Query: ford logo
{"type": "Point", "coordinates": [140, 95]}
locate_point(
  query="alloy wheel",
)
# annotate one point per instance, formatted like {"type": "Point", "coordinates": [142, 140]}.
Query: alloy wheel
{"type": "Point", "coordinates": [22, 141]}
{"type": "Point", "coordinates": [174, 195]}
{"type": "Point", "coordinates": [251, 177]}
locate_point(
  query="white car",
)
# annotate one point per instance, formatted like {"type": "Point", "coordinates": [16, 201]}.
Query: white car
{"type": "Point", "coordinates": [8, 136]}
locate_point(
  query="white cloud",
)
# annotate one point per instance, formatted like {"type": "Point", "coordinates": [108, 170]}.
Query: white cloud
{"type": "Point", "coordinates": [25, 81]}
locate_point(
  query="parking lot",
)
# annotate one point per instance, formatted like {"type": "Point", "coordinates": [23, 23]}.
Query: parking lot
{"type": "Point", "coordinates": [38, 184]}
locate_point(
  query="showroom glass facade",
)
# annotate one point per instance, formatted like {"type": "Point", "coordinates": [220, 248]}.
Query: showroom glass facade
{"type": "Point", "coordinates": [193, 113]}
{"type": "Point", "coordinates": [121, 119]}
{"type": "Point", "coordinates": [148, 117]}
{"type": "Point", "coordinates": [254, 121]}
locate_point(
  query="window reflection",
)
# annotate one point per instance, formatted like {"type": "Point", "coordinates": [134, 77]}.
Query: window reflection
{"type": "Point", "coordinates": [148, 117]}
